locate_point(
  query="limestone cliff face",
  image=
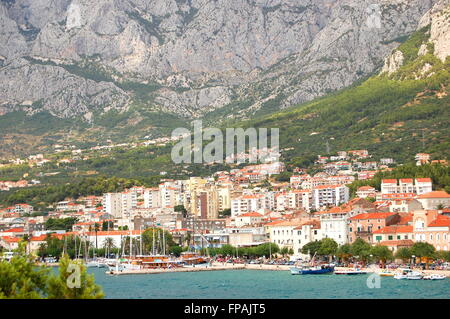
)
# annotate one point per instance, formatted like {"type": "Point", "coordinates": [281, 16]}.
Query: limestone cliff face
{"type": "Point", "coordinates": [190, 57]}
{"type": "Point", "coordinates": [437, 42]}
{"type": "Point", "coordinates": [440, 29]}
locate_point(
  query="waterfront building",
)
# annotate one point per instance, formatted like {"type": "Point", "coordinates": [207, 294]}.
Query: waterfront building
{"type": "Point", "coordinates": [308, 231]}
{"type": "Point", "coordinates": [363, 225]}
{"type": "Point", "coordinates": [432, 227]}
{"type": "Point", "coordinates": [282, 232]}
{"type": "Point", "coordinates": [393, 233]}
{"type": "Point", "coordinates": [246, 236]}
{"type": "Point", "coordinates": [334, 223]}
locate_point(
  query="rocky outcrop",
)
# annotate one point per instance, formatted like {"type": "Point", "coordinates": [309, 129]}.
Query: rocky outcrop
{"type": "Point", "coordinates": [202, 54]}
{"type": "Point", "coordinates": [395, 61]}
{"type": "Point", "coordinates": [440, 32]}
{"type": "Point", "coordinates": [436, 42]}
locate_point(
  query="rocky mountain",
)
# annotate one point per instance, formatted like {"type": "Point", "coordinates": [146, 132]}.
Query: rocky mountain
{"type": "Point", "coordinates": [402, 110]}
{"type": "Point", "coordinates": [193, 58]}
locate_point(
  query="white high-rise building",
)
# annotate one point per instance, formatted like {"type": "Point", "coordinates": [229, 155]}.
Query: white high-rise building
{"type": "Point", "coordinates": [152, 198]}
{"type": "Point", "coordinates": [119, 204]}
{"type": "Point", "coordinates": [406, 185]}
{"type": "Point", "coordinates": [330, 195]}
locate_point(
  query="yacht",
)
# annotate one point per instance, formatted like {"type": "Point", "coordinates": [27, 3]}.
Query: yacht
{"type": "Point", "coordinates": [408, 274]}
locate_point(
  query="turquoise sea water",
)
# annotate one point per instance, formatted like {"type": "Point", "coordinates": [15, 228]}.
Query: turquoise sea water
{"type": "Point", "coordinates": [260, 284]}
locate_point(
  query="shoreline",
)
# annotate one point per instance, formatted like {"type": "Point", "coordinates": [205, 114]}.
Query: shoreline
{"type": "Point", "coordinates": [220, 266]}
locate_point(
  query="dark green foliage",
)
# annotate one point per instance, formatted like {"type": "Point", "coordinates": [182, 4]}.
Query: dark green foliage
{"type": "Point", "coordinates": [422, 249]}
{"type": "Point", "coordinates": [60, 223]}
{"type": "Point", "coordinates": [311, 248]}
{"type": "Point", "coordinates": [52, 194]}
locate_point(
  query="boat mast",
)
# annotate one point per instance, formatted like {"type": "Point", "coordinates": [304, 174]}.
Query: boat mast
{"type": "Point", "coordinates": [164, 243]}
{"type": "Point", "coordinates": [140, 228]}
{"type": "Point", "coordinates": [79, 248]}
{"type": "Point", "coordinates": [160, 243]}
{"type": "Point", "coordinates": [131, 243]}
{"type": "Point", "coordinates": [153, 241]}
{"type": "Point", "coordinates": [76, 257]}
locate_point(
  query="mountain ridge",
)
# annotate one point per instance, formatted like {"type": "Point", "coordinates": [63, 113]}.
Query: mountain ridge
{"type": "Point", "coordinates": [190, 57]}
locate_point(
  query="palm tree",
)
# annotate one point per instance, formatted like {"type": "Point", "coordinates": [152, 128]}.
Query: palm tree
{"type": "Point", "coordinates": [96, 229]}
{"type": "Point", "coordinates": [27, 239]}
{"type": "Point", "coordinates": [108, 244]}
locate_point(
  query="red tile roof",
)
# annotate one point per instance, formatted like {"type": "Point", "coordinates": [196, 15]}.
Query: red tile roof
{"type": "Point", "coordinates": [394, 229]}
{"type": "Point", "coordinates": [366, 188]}
{"type": "Point", "coordinates": [372, 216]}
{"type": "Point", "coordinates": [251, 214]}
{"type": "Point", "coordinates": [10, 239]}
{"type": "Point", "coordinates": [405, 218]}
{"type": "Point", "coordinates": [435, 194]}
{"type": "Point", "coordinates": [15, 230]}
{"type": "Point", "coordinates": [423, 180]}
{"type": "Point", "coordinates": [440, 221]}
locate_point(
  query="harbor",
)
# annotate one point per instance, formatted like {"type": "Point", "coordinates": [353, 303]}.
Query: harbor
{"type": "Point", "coordinates": [254, 282]}
{"type": "Point", "coordinates": [218, 266]}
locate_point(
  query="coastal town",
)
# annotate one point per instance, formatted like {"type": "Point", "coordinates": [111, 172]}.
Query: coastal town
{"type": "Point", "coordinates": [248, 207]}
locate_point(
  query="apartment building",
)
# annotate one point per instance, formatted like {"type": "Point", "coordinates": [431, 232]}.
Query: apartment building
{"type": "Point", "coordinates": [329, 195]}
{"type": "Point", "coordinates": [432, 227]}
{"type": "Point", "coordinates": [406, 185]}
{"type": "Point", "coordinates": [363, 225]}
{"type": "Point", "coordinates": [119, 204]}
{"type": "Point", "coordinates": [152, 198]}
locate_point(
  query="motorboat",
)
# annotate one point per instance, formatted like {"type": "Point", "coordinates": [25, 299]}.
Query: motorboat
{"type": "Point", "coordinates": [387, 273]}
{"type": "Point", "coordinates": [434, 277]}
{"type": "Point", "coordinates": [355, 271]}
{"type": "Point", "coordinates": [312, 270]}
{"type": "Point", "coordinates": [409, 275]}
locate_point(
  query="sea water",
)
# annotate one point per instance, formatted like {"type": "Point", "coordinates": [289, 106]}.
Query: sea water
{"type": "Point", "coordinates": [263, 284]}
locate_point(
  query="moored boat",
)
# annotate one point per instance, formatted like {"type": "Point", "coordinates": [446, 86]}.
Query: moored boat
{"type": "Point", "coordinates": [387, 273]}
{"type": "Point", "coordinates": [314, 270]}
{"type": "Point", "coordinates": [355, 271]}
{"type": "Point", "coordinates": [434, 277]}
{"type": "Point", "coordinates": [408, 274]}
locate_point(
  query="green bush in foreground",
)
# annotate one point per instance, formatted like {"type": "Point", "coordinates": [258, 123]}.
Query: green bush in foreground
{"type": "Point", "coordinates": [20, 278]}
